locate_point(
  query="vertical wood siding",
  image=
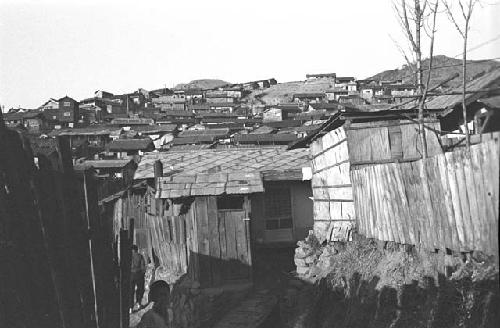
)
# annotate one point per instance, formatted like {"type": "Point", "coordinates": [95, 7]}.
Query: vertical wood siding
{"type": "Point", "coordinates": [447, 201]}
{"type": "Point", "coordinates": [189, 236]}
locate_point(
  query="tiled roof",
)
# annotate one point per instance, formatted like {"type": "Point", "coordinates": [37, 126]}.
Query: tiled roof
{"type": "Point", "coordinates": [234, 160]}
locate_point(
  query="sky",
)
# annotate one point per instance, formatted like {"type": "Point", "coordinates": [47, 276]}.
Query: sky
{"type": "Point", "coordinates": [53, 48]}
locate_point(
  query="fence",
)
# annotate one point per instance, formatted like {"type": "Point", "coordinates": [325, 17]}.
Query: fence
{"type": "Point", "coordinates": [449, 200]}
{"type": "Point", "coordinates": [50, 229]}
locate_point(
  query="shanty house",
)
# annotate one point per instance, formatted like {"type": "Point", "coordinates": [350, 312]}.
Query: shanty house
{"type": "Point", "coordinates": [112, 175]}
{"type": "Point", "coordinates": [349, 140]}
{"type": "Point", "coordinates": [212, 207]}
{"type": "Point", "coordinates": [32, 120]}
{"type": "Point", "coordinates": [280, 112]}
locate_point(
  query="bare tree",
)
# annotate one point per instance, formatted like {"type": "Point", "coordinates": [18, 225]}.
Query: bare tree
{"type": "Point", "coordinates": [463, 26]}
{"type": "Point", "coordinates": [412, 16]}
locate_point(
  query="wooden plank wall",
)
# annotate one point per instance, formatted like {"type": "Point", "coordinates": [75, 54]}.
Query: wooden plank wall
{"type": "Point", "coordinates": [389, 141]}
{"type": "Point", "coordinates": [458, 211]}
{"type": "Point", "coordinates": [164, 228]}
{"type": "Point", "coordinates": [188, 236]}
{"type": "Point", "coordinates": [331, 185]}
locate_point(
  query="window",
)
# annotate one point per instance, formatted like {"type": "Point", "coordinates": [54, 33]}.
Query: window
{"type": "Point", "coordinates": [278, 208]}
{"type": "Point", "coordinates": [230, 202]}
{"type": "Point", "coordinates": [67, 114]}
{"type": "Point", "coordinates": [66, 104]}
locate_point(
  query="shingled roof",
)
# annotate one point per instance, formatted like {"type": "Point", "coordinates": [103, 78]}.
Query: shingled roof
{"type": "Point", "coordinates": [270, 162]}
{"type": "Point", "coordinates": [203, 184]}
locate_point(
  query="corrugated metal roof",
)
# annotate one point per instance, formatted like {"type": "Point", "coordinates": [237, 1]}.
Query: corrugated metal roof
{"type": "Point", "coordinates": [234, 160]}
{"type": "Point", "coordinates": [488, 80]}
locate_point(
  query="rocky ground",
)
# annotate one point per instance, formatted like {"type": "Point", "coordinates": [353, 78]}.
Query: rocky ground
{"type": "Point", "coordinates": [368, 284]}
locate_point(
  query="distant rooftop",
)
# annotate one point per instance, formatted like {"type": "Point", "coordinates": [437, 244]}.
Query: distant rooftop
{"type": "Point", "coordinates": [321, 75]}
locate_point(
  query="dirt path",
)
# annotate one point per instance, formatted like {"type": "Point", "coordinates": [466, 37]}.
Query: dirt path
{"type": "Point", "coordinates": [254, 312]}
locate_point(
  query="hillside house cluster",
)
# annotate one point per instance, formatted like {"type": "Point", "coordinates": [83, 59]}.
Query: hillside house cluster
{"type": "Point", "coordinates": [348, 89]}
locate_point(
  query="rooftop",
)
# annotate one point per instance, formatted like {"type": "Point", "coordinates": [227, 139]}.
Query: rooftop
{"type": "Point", "coordinates": [282, 138]}
{"type": "Point", "coordinates": [309, 95]}
{"type": "Point", "coordinates": [234, 160]}
{"type": "Point", "coordinates": [194, 140]}
{"type": "Point", "coordinates": [152, 129]}
{"type": "Point", "coordinates": [88, 131]}
{"type": "Point", "coordinates": [103, 164]}
{"type": "Point", "coordinates": [206, 132]}
{"type": "Point", "coordinates": [488, 80]}
{"type": "Point", "coordinates": [132, 121]}
{"type": "Point", "coordinates": [131, 144]}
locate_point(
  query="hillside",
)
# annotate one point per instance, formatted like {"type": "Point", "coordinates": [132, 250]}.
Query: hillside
{"type": "Point", "coordinates": [202, 84]}
{"type": "Point", "coordinates": [283, 92]}
{"type": "Point", "coordinates": [444, 67]}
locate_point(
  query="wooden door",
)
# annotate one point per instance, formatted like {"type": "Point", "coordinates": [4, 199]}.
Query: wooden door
{"type": "Point", "coordinates": [235, 245]}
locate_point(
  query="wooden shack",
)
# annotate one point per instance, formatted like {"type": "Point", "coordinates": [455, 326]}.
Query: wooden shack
{"type": "Point", "coordinates": [355, 139]}
{"type": "Point", "coordinates": [206, 210]}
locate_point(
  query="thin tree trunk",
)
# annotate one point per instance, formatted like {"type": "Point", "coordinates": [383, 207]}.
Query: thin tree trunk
{"type": "Point", "coordinates": [464, 80]}
{"type": "Point", "coordinates": [428, 81]}
{"type": "Point", "coordinates": [418, 54]}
